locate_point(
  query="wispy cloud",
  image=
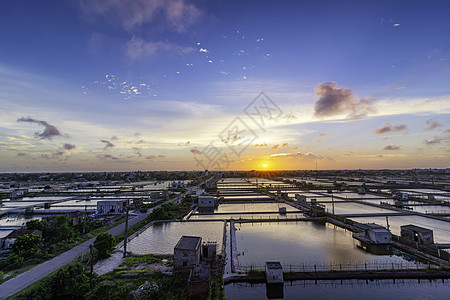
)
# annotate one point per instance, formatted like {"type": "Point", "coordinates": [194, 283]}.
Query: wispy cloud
{"type": "Point", "coordinates": [438, 139]}
{"type": "Point", "coordinates": [195, 151]}
{"type": "Point", "coordinates": [302, 156]}
{"type": "Point", "coordinates": [335, 100]}
{"type": "Point", "coordinates": [137, 48]}
{"type": "Point", "coordinates": [107, 156]}
{"type": "Point", "coordinates": [176, 15]}
{"type": "Point", "coordinates": [49, 132]}
{"type": "Point", "coordinates": [388, 127]}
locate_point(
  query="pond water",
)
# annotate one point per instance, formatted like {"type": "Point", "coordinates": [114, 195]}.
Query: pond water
{"type": "Point", "coordinates": [297, 243]}
{"type": "Point", "coordinates": [161, 238]}
{"type": "Point", "coordinates": [346, 289]}
{"type": "Point", "coordinates": [355, 208]}
{"type": "Point", "coordinates": [252, 207]}
{"type": "Point", "coordinates": [275, 216]}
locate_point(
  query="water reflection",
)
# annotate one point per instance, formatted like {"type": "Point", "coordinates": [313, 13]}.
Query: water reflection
{"type": "Point", "coordinates": [161, 238]}
{"type": "Point", "coordinates": [345, 289]}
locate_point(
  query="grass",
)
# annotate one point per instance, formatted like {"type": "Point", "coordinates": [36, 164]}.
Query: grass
{"type": "Point", "coordinates": [256, 272]}
{"type": "Point", "coordinates": [134, 260]}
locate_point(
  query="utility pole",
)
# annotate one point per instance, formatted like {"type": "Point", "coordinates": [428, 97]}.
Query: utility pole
{"type": "Point", "coordinates": [126, 233]}
{"type": "Point", "coordinates": [91, 249]}
{"type": "Point", "coordinates": [84, 219]}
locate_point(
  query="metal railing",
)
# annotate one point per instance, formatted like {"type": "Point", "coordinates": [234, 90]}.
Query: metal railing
{"type": "Point", "coordinates": [347, 267]}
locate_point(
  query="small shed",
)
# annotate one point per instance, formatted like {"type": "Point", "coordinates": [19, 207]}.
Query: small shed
{"type": "Point", "coordinates": [417, 234]}
{"type": "Point", "coordinates": [208, 201]}
{"type": "Point", "coordinates": [187, 253]}
{"type": "Point", "coordinates": [374, 234]}
{"type": "Point", "coordinates": [274, 272]}
{"type": "Point", "coordinates": [300, 198]}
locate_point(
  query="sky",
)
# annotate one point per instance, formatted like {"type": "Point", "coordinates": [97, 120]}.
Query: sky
{"type": "Point", "coordinates": [120, 85]}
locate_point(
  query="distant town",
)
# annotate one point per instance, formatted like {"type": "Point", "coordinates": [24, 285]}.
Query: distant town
{"type": "Point", "coordinates": [216, 234]}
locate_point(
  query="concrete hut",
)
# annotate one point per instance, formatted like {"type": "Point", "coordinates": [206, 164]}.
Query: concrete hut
{"type": "Point", "coordinates": [417, 234]}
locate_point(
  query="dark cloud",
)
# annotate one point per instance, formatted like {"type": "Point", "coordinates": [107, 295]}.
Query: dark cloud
{"type": "Point", "coordinates": [196, 151]}
{"type": "Point", "coordinates": [259, 146]}
{"type": "Point", "coordinates": [114, 138]}
{"type": "Point", "coordinates": [21, 154]}
{"type": "Point", "coordinates": [161, 155]}
{"type": "Point", "coordinates": [184, 143]}
{"type": "Point", "coordinates": [49, 132]}
{"type": "Point", "coordinates": [335, 100]}
{"type": "Point", "coordinates": [69, 147]}
{"type": "Point", "coordinates": [137, 151]}
{"type": "Point", "coordinates": [388, 127]}
{"type": "Point", "coordinates": [432, 124]}
{"type": "Point", "coordinates": [108, 144]}
{"type": "Point", "coordinates": [391, 147]}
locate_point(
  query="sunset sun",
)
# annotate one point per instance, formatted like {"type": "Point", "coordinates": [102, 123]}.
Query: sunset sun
{"type": "Point", "coordinates": [264, 165]}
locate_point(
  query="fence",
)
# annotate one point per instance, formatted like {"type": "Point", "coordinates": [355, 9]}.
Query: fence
{"type": "Point", "coordinates": [372, 266]}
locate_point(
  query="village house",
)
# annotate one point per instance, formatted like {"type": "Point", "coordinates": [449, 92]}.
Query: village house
{"type": "Point", "coordinates": [11, 238]}
{"type": "Point", "coordinates": [108, 207]}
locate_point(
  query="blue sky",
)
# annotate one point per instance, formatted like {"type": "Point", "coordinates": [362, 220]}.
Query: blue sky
{"type": "Point", "coordinates": [153, 85]}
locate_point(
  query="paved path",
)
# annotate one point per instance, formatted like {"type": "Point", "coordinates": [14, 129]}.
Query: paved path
{"type": "Point", "coordinates": [23, 280]}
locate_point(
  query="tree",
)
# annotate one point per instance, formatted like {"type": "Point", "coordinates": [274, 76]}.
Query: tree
{"type": "Point", "coordinates": [60, 229]}
{"type": "Point", "coordinates": [27, 245]}
{"type": "Point", "coordinates": [104, 244]}
{"type": "Point", "coordinates": [37, 225]}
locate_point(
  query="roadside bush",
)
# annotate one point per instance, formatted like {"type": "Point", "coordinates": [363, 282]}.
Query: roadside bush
{"type": "Point", "coordinates": [104, 244]}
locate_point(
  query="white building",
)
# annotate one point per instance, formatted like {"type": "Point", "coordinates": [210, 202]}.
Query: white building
{"type": "Point", "coordinates": [373, 234]}
{"type": "Point", "coordinates": [108, 207]}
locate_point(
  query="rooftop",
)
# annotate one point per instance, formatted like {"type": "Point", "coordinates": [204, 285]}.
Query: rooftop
{"type": "Point", "coordinates": [189, 242]}
{"type": "Point", "coordinates": [273, 265]}
{"type": "Point", "coordinates": [416, 228]}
